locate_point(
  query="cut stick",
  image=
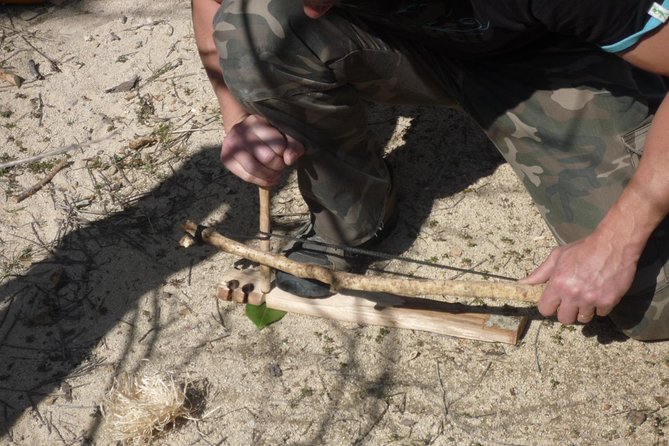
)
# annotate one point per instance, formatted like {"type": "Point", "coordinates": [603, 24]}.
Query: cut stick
{"type": "Point", "coordinates": [347, 281]}
{"type": "Point", "coordinates": [379, 309]}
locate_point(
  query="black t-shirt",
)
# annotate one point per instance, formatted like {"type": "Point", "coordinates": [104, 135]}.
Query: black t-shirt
{"type": "Point", "coordinates": [500, 26]}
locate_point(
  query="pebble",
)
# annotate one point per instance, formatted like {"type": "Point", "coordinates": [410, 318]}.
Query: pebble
{"type": "Point", "coordinates": [275, 370]}
{"type": "Point", "coordinates": [636, 417]}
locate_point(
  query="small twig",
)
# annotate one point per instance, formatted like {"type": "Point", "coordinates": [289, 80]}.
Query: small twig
{"type": "Point", "coordinates": [467, 391]}
{"type": "Point", "coordinates": [11, 302]}
{"type": "Point", "coordinates": [39, 157]}
{"type": "Point", "coordinates": [168, 66]}
{"type": "Point", "coordinates": [202, 436]}
{"type": "Point", "coordinates": [211, 341]}
{"type": "Point", "coordinates": [176, 132]}
{"type": "Point", "coordinates": [64, 350]}
{"type": "Point", "coordinates": [40, 108]}
{"type": "Point", "coordinates": [5, 404]}
{"type": "Point", "coordinates": [152, 23]}
{"type": "Point", "coordinates": [361, 438]}
{"type": "Point", "coordinates": [176, 93]}
{"type": "Point", "coordinates": [3, 338]}
{"type": "Point", "coordinates": [145, 335]}
{"type": "Point", "coordinates": [536, 348]}
{"type": "Point", "coordinates": [220, 315]}
{"type": "Point", "coordinates": [56, 430]}
{"type": "Point", "coordinates": [54, 64]}
{"type": "Point", "coordinates": [325, 387]}
{"type": "Point", "coordinates": [36, 187]}
{"type": "Point", "coordinates": [443, 390]}
{"type": "Point", "coordinates": [40, 242]}
{"type": "Point", "coordinates": [37, 412]}
{"type": "Point", "coordinates": [76, 373]}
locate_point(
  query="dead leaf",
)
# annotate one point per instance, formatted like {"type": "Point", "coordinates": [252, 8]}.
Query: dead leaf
{"type": "Point", "coordinates": [124, 86]}
{"type": "Point", "coordinates": [11, 78]}
{"type": "Point", "coordinates": [142, 142]}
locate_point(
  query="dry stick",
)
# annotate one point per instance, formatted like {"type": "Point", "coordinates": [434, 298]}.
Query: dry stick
{"type": "Point", "coordinates": [39, 157]}
{"type": "Point", "coordinates": [54, 64]}
{"type": "Point", "coordinates": [40, 109]}
{"type": "Point", "coordinates": [36, 187]}
{"type": "Point", "coordinates": [168, 66]}
{"type": "Point", "coordinates": [339, 280]}
{"type": "Point", "coordinates": [56, 152]}
{"type": "Point", "coordinates": [266, 283]}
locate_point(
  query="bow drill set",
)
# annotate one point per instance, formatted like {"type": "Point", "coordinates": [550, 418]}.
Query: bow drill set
{"type": "Point", "coordinates": [375, 300]}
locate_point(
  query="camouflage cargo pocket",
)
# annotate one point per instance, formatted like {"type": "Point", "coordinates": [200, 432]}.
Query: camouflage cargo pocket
{"type": "Point", "coordinates": [635, 140]}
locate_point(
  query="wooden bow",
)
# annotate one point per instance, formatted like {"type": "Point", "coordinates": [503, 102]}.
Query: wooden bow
{"type": "Point", "coordinates": [354, 282]}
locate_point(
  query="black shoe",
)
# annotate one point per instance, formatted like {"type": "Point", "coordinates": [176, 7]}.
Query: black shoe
{"type": "Point", "coordinates": [312, 250]}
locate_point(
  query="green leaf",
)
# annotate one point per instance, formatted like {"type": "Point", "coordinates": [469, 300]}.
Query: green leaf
{"type": "Point", "coordinates": [262, 316]}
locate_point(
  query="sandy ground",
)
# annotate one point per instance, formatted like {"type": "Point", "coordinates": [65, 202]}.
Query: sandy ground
{"type": "Point", "coordinates": [94, 284]}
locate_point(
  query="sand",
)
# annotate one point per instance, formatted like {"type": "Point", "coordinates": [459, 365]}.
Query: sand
{"type": "Point", "coordinates": [94, 285]}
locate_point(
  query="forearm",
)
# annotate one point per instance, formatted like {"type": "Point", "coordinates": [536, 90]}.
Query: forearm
{"type": "Point", "coordinates": [203, 13]}
{"type": "Point", "coordinates": [645, 201]}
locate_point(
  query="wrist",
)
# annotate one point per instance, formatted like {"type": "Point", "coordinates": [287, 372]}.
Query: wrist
{"type": "Point", "coordinates": [232, 112]}
{"type": "Point", "coordinates": [628, 224]}
{"type": "Point", "coordinates": [231, 119]}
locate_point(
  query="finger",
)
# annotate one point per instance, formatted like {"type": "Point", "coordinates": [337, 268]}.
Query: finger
{"type": "Point", "coordinates": [254, 168]}
{"type": "Point", "coordinates": [585, 316]}
{"type": "Point", "coordinates": [245, 165]}
{"type": "Point", "coordinates": [269, 135]}
{"type": "Point", "coordinates": [294, 151]}
{"type": "Point", "coordinates": [604, 310]}
{"type": "Point", "coordinates": [237, 169]}
{"type": "Point", "coordinates": [246, 153]}
{"type": "Point", "coordinates": [543, 272]}
{"type": "Point", "coordinates": [256, 140]}
{"type": "Point", "coordinates": [266, 156]}
{"type": "Point", "coordinates": [567, 312]}
{"type": "Point", "coordinates": [549, 302]}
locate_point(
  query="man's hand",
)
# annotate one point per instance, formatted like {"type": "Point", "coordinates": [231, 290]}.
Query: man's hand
{"type": "Point", "coordinates": [253, 149]}
{"type": "Point", "coordinates": [585, 278]}
{"type": "Point", "coordinates": [590, 276]}
{"type": "Point", "coordinates": [258, 152]}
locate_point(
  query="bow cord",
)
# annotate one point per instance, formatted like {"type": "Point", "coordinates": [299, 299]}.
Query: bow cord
{"type": "Point", "coordinates": [375, 254]}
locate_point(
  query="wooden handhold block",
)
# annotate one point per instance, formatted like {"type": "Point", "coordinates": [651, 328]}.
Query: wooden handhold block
{"type": "Point", "coordinates": [380, 309]}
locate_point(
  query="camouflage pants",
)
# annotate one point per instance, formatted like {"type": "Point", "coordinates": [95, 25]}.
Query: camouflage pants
{"type": "Point", "coordinates": [566, 116]}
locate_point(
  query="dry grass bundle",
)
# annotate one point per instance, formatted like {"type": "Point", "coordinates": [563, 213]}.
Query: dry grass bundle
{"type": "Point", "coordinates": [140, 408]}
